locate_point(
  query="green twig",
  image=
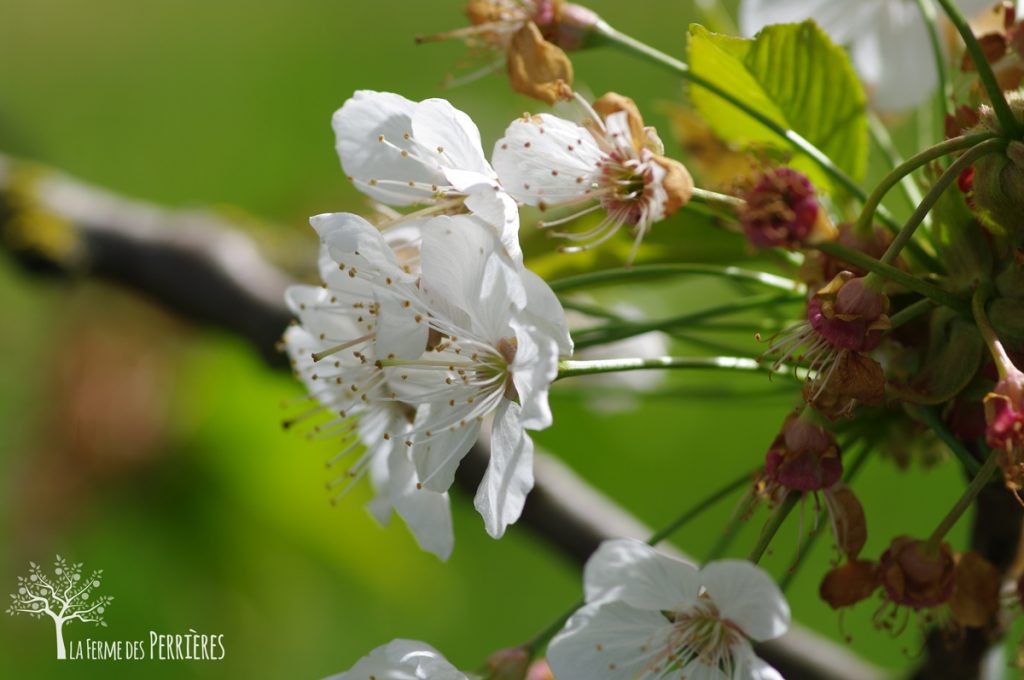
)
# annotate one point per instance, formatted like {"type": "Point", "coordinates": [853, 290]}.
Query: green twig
{"type": "Point", "coordinates": [772, 527]}
{"type": "Point", "coordinates": [699, 508]}
{"type": "Point", "coordinates": [927, 416]}
{"type": "Point", "coordinates": [655, 271]}
{"type": "Point", "coordinates": [982, 478]}
{"type": "Point", "coordinates": [931, 21]}
{"type": "Point", "coordinates": [570, 368]}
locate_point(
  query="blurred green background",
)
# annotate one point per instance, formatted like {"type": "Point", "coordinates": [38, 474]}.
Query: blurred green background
{"type": "Point", "coordinates": [139, 444]}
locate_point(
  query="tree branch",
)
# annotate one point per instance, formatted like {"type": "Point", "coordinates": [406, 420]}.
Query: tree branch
{"type": "Point", "coordinates": [205, 270]}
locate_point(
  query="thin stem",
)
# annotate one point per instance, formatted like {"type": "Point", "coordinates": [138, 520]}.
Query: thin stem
{"type": "Point", "coordinates": [612, 332]}
{"type": "Point", "coordinates": [535, 646]}
{"type": "Point", "coordinates": [683, 69]}
{"type": "Point", "coordinates": [908, 166]}
{"type": "Point", "coordinates": [931, 21]}
{"type": "Point", "coordinates": [910, 312]}
{"type": "Point", "coordinates": [732, 529]}
{"type": "Point", "coordinates": [1007, 121]}
{"type": "Point", "coordinates": [973, 489]}
{"type": "Point", "coordinates": [927, 416]}
{"type": "Point", "coordinates": [1002, 360]}
{"type": "Point", "coordinates": [714, 198]}
{"type": "Point", "coordinates": [883, 141]}
{"type": "Point", "coordinates": [653, 271]}
{"type": "Point", "coordinates": [772, 527]}
{"type": "Point", "coordinates": [691, 513]}
{"type": "Point", "coordinates": [941, 184]}
{"type": "Point", "coordinates": [569, 368]}
{"type": "Point", "coordinates": [881, 269]}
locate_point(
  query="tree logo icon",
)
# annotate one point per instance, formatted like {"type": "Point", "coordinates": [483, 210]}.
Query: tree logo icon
{"type": "Point", "coordinates": [65, 597]}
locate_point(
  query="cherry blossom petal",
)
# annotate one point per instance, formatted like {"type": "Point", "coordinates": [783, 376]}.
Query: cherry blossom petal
{"type": "Point", "coordinates": [534, 369]}
{"type": "Point", "coordinates": [382, 169]}
{"type": "Point", "coordinates": [751, 667]}
{"type": "Point", "coordinates": [610, 641]}
{"type": "Point", "coordinates": [747, 596]}
{"type": "Point", "coordinates": [442, 128]}
{"type": "Point", "coordinates": [499, 210]}
{"type": "Point", "coordinates": [402, 660]}
{"type": "Point", "coordinates": [894, 58]}
{"type": "Point", "coordinates": [426, 513]}
{"type": "Point", "coordinates": [545, 311]}
{"type": "Point", "coordinates": [545, 159]}
{"type": "Point", "coordinates": [509, 476]}
{"type": "Point", "coordinates": [631, 571]}
{"type": "Point", "coordinates": [438, 456]}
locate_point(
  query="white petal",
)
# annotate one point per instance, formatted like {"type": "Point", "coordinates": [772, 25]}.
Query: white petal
{"type": "Point", "coordinates": [316, 313]}
{"type": "Point", "coordinates": [442, 128]}
{"type": "Point", "coordinates": [358, 127]}
{"type": "Point", "coordinates": [609, 641]}
{"type": "Point", "coordinates": [545, 311]}
{"type": "Point", "coordinates": [533, 370]}
{"type": "Point", "coordinates": [499, 210]}
{"type": "Point", "coordinates": [354, 242]}
{"type": "Point", "coordinates": [843, 20]}
{"type": "Point", "coordinates": [402, 660]}
{"type": "Point", "coordinates": [438, 457]}
{"type": "Point", "coordinates": [509, 477]}
{"type": "Point", "coordinates": [464, 266]}
{"type": "Point", "coordinates": [697, 670]}
{"type": "Point", "coordinates": [426, 513]}
{"type": "Point", "coordinates": [545, 159]}
{"type": "Point", "coordinates": [399, 334]}
{"type": "Point", "coordinates": [631, 571]}
{"type": "Point", "coordinates": [895, 59]}
{"type": "Point", "coordinates": [748, 597]}
{"type": "Point", "coordinates": [751, 667]}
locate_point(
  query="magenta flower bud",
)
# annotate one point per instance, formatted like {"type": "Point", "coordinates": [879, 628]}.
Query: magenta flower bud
{"type": "Point", "coordinates": [782, 211]}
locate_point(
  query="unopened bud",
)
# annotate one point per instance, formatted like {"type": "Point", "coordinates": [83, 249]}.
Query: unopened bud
{"type": "Point", "coordinates": [508, 664]}
{"type": "Point", "coordinates": [998, 183]}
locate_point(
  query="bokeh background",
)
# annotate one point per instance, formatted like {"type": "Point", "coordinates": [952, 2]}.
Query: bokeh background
{"type": "Point", "coordinates": [136, 442]}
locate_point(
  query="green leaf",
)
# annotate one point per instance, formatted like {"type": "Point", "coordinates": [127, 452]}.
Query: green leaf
{"type": "Point", "coordinates": [796, 76]}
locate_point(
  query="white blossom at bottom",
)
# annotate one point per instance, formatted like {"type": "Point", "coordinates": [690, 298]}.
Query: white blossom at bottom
{"type": "Point", "coordinates": [402, 660]}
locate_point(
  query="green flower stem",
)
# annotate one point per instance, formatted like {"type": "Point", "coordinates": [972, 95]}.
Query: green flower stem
{"type": "Point", "coordinates": [772, 527]}
{"type": "Point", "coordinates": [981, 479]}
{"type": "Point", "coordinates": [714, 198]}
{"type": "Point", "coordinates": [654, 271]}
{"type": "Point", "coordinates": [611, 332]}
{"type": "Point", "coordinates": [880, 136]}
{"type": "Point", "coordinates": [731, 530]}
{"type": "Point", "coordinates": [535, 646]}
{"type": "Point", "coordinates": [885, 270]}
{"type": "Point", "coordinates": [941, 184]}
{"type": "Point", "coordinates": [1002, 360]}
{"type": "Point", "coordinates": [1007, 121]}
{"type": "Point", "coordinates": [569, 368]}
{"type": "Point", "coordinates": [857, 462]}
{"type": "Point", "coordinates": [910, 312]}
{"type": "Point", "coordinates": [926, 415]}
{"type": "Point", "coordinates": [931, 21]}
{"type": "Point", "coordinates": [945, 148]}
{"type": "Point", "coordinates": [682, 69]}
{"type": "Point", "coordinates": [691, 513]}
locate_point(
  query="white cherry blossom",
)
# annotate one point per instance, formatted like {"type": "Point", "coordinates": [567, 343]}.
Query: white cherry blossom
{"type": "Point", "coordinates": [334, 352]}
{"type": "Point", "coordinates": [496, 333]}
{"type": "Point", "coordinates": [649, 616]}
{"type": "Point", "coordinates": [888, 40]}
{"type": "Point", "coordinates": [405, 153]}
{"type": "Point", "coordinates": [402, 660]}
{"type": "Point", "coordinates": [611, 164]}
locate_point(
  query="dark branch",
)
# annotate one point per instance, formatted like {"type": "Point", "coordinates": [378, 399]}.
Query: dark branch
{"type": "Point", "coordinates": [205, 270]}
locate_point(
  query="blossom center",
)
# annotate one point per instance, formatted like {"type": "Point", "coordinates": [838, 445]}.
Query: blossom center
{"type": "Point", "coordinates": [701, 633]}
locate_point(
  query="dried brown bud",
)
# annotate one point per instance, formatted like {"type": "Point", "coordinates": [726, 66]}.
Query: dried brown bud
{"type": "Point", "coordinates": [849, 524]}
{"type": "Point", "coordinates": [975, 597]}
{"type": "Point", "coordinates": [857, 379]}
{"type": "Point", "coordinates": [914, 576]}
{"type": "Point", "coordinates": [849, 583]}
{"type": "Point", "coordinates": [537, 68]}
{"type": "Point", "coordinates": [678, 183]}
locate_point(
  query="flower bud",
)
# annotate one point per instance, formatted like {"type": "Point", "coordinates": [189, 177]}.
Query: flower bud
{"type": "Point", "coordinates": [849, 314]}
{"type": "Point", "coordinates": [1004, 416]}
{"type": "Point", "coordinates": [508, 664]}
{"type": "Point", "coordinates": [998, 183]}
{"type": "Point", "coordinates": [782, 211]}
{"type": "Point", "coordinates": [803, 457]}
{"type": "Point", "coordinates": [916, 577]}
